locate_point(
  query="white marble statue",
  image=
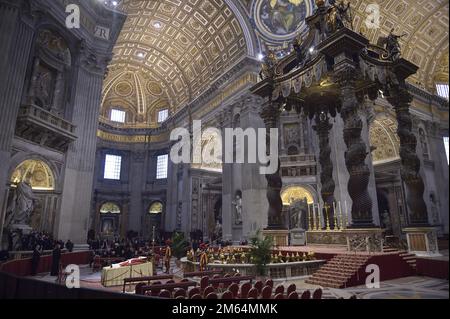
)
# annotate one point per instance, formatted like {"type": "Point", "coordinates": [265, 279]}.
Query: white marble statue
{"type": "Point", "coordinates": [218, 230]}
{"type": "Point", "coordinates": [238, 209]}
{"type": "Point", "coordinates": [21, 206]}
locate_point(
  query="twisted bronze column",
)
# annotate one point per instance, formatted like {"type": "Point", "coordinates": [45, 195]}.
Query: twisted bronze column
{"type": "Point", "coordinates": [356, 153]}
{"type": "Point", "coordinates": [400, 99]}
{"type": "Point", "coordinates": [323, 127]}
{"type": "Point", "coordinates": [270, 114]}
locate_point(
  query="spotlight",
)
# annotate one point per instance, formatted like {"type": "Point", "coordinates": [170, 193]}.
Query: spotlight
{"type": "Point", "coordinates": [157, 25]}
{"type": "Point", "coordinates": [260, 56]}
{"type": "Point", "coordinates": [311, 49]}
{"type": "Point", "coordinates": [141, 55]}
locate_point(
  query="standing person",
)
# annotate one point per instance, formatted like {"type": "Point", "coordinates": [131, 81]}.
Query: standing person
{"type": "Point", "coordinates": [56, 257]}
{"type": "Point", "coordinates": [167, 256]}
{"type": "Point", "coordinates": [69, 246]}
{"type": "Point", "coordinates": [35, 260]}
{"type": "Point", "coordinates": [203, 257]}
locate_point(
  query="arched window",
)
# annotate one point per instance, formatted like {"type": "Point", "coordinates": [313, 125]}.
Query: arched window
{"type": "Point", "coordinates": [110, 208]}
{"type": "Point", "coordinates": [296, 193]}
{"type": "Point", "coordinates": [156, 208]}
{"type": "Point", "coordinates": [36, 173]}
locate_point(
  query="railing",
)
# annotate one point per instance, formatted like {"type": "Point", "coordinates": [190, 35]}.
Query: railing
{"type": "Point", "coordinates": [46, 117]}
{"type": "Point", "coordinates": [297, 159]}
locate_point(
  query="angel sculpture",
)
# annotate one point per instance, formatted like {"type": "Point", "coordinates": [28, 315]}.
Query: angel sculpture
{"type": "Point", "coordinates": [339, 16]}
{"type": "Point", "coordinates": [268, 65]}
{"type": "Point", "coordinates": [301, 52]}
{"type": "Point", "coordinates": [392, 46]}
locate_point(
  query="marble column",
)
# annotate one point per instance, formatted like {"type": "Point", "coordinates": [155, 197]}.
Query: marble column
{"type": "Point", "coordinates": [400, 99]}
{"type": "Point", "coordinates": [323, 127]}
{"type": "Point", "coordinates": [270, 114]}
{"type": "Point", "coordinates": [356, 153]}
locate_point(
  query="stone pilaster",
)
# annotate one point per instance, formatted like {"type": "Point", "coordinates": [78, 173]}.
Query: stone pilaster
{"type": "Point", "coordinates": [253, 184]}
{"type": "Point", "coordinates": [400, 99]}
{"type": "Point", "coordinates": [323, 127]}
{"type": "Point", "coordinates": [80, 157]}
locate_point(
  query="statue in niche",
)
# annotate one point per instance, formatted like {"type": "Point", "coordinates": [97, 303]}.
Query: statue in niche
{"type": "Point", "coordinates": [42, 87]}
{"type": "Point", "coordinates": [423, 143]}
{"type": "Point", "coordinates": [22, 204]}
{"type": "Point", "coordinates": [218, 231]}
{"type": "Point", "coordinates": [387, 222]}
{"type": "Point", "coordinates": [297, 212]}
{"type": "Point", "coordinates": [107, 226]}
{"type": "Point", "coordinates": [392, 46]}
{"type": "Point", "coordinates": [238, 208]}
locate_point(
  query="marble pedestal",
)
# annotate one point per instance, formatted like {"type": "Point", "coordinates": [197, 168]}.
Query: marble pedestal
{"type": "Point", "coordinates": [297, 237]}
{"type": "Point", "coordinates": [280, 236]}
{"type": "Point", "coordinates": [422, 241]}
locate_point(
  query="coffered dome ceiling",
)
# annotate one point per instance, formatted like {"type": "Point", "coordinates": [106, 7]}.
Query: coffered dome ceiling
{"type": "Point", "coordinates": [174, 49]}
{"type": "Point", "coordinates": [426, 25]}
{"type": "Point", "coordinates": [169, 51]}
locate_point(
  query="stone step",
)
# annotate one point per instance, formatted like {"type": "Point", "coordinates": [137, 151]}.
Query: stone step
{"type": "Point", "coordinates": [409, 257]}
{"type": "Point", "coordinates": [324, 283]}
{"type": "Point", "coordinates": [334, 277]}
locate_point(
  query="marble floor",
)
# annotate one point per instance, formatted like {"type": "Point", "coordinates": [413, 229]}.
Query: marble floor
{"type": "Point", "coordinates": [402, 288]}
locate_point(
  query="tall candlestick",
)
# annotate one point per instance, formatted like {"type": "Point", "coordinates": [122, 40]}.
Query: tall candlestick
{"type": "Point", "coordinates": [341, 217]}
{"type": "Point", "coordinates": [346, 214]}
{"type": "Point", "coordinates": [334, 213]}
{"type": "Point", "coordinates": [316, 218]}
{"type": "Point", "coordinates": [319, 217]}
{"type": "Point", "coordinates": [327, 216]}
{"type": "Point", "coordinates": [309, 217]}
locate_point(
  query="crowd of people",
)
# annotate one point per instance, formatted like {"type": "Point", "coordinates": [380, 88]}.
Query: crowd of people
{"type": "Point", "coordinates": [125, 248]}
{"type": "Point", "coordinates": [38, 242]}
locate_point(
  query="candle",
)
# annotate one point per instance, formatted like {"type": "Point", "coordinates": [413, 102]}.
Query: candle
{"type": "Point", "coordinates": [346, 212]}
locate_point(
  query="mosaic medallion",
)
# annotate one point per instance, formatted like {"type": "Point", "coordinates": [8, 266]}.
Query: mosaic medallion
{"type": "Point", "coordinates": [281, 20]}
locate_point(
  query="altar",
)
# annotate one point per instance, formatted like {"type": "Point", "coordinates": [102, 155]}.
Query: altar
{"type": "Point", "coordinates": [115, 274]}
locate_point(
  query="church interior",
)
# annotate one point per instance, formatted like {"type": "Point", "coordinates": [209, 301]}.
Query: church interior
{"type": "Point", "coordinates": [118, 120]}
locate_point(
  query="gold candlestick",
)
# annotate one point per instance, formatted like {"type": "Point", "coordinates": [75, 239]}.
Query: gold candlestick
{"type": "Point", "coordinates": [341, 217]}
{"type": "Point", "coordinates": [309, 218]}
{"type": "Point", "coordinates": [334, 214]}
{"type": "Point", "coordinates": [336, 223]}
{"type": "Point", "coordinates": [327, 216]}
{"type": "Point", "coordinates": [319, 217]}
{"type": "Point", "coordinates": [314, 217]}
{"type": "Point", "coordinates": [346, 214]}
